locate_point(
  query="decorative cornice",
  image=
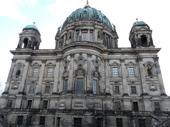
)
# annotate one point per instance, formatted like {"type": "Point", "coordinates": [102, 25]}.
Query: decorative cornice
{"type": "Point", "coordinates": [139, 58]}
{"type": "Point", "coordinates": [156, 58]}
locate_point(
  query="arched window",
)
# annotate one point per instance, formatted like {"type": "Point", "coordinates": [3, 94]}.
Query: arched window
{"type": "Point", "coordinates": [144, 40]}
{"type": "Point", "coordinates": [94, 86]}
{"type": "Point", "coordinates": [25, 42]}
{"type": "Point", "coordinates": [50, 72]}
{"type": "Point", "coordinates": [80, 85]}
{"type": "Point", "coordinates": [96, 64]}
{"type": "Point", "coordinates": [77, 36]}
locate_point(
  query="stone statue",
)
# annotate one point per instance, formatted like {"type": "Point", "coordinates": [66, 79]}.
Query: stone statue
{"type": "Point", "coordinates": [149, 71]}
{"type": "Point", "coordinates": [59, 28]}
{"type": "Point", "coordinates": [18, 73]}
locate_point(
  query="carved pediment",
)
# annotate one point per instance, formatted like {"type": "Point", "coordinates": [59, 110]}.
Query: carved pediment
{"type": "Point", "coordinates": [115, 64]}
{"type": "Point", "coordinates": [80, 72]}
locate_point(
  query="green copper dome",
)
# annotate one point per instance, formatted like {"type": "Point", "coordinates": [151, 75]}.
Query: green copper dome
{"type": "Point", "coordinates": [139, 23]}
{"type": "Point", "coordinates": [31, 27]}
{"type": "Point", "coordinates": [87, 13]}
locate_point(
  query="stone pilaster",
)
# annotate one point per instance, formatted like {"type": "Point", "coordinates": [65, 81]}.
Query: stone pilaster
{"type": "Point", "coordinates": [125, 86]}
{"type": "Point", "coordinates": [9, 76]}
{"type": "Point", "coordinates": [25, 72]}
{"type": "Point", "coordinates": [41, 76]}
{"type": "Point", "coordinates": [56, 76]}
{"type": "Point", "coordinates": [70, 79]}
{"type": "Point", "coordinates": [89, 70]}
{"type": "Point", "coordinates": [142, 76]}
{"type": "Point", "coordinates": [107, 78]}
{"type": "Point", "coordinates": [158, 70]}
{"type": "Point", "coordinates": [88, 34]}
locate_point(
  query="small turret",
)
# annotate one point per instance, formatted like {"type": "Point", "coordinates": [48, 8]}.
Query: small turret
{"type": "Point", "coordinates": [140, 35]}
{"type": "Point", "coordinates": [30, 38]}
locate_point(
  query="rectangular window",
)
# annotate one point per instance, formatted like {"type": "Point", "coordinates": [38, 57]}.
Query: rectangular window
{"type": "Point", "coordinates": [84, 37]}
{"type": "Point", "coordinates": [77, 36]}
{"type": "Point", "coordinates": [94, 86]}
{"type": "Point", "coordinates": [117, 105]}
{"type": "Point", "coordinates": [47, 89]}
{"type": "Point", "coordinates": [50, 72]}
{"type": "Point", "coordinates": [80, 85]}
{"type": "Point", "coordinates": [131, 72]}
{"type": "Point", "coordinates": [31, 89]}
{"type": "Point", "coordinates": [135, 106]}
{"type": "Point", "coordinates": [99, 122]}
{"type": "Point", "coordinates": [9, 104]}
{"type": "Point", "coordinates": [119, 122]}
{"type": "Point", "coordinates": [29, 103]}
{"type": "Point", "coordinates": [77, 122]}
{"type": "Point", "coordinates": [157, 106]}
{"type": "Point", "coordinates": [66, 85]}
{"type": "Point", "coordinates": [115, 71]}
{"type": "Point", "coordinates": [142, 123]}
{"type": "Point", "coordinates": [19, 120]}
{"type": "Point", "coordinates": [133, 89]}
{"type": "Point", "coordinates": [116, 89]}
{"type": "Point", "coordinates": [91, 37]}
{"type": "Point", "coordinates": [45, 104]}
{"type": "Point", "coordinates": [42, 120]}
{"type": "Point", "coordinates": [35, 72]}
{"type": "Point", "coordinates": [58, 122]}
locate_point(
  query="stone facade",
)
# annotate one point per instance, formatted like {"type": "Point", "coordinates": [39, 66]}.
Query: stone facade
{"type": "Point", "coordinates": [86, 81]}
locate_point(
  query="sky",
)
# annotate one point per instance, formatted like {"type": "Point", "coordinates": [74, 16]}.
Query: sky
{"type": "Point", "coordinates": [50, 14]}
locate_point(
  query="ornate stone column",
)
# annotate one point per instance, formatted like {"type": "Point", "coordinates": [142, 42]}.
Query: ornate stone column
{"type": "Point", "coordinates": [25, 72]}
{"type": "Point", "coordinates": [56, 76]}
{"type": "Point", "coordinates": [41, 76]}
{"type": "Point", "coordinates": [89, 70]}
{"type": "Point", "coordinates": [88, 34]}
{"type": "Point", "coordinates": [9, 76]}
{"type": "Point", "coordinates": [158, 70]}
{"type": "Point", "coordinates": [125, 86]}
{"type": "Point", "coordinates": [107, 78]}
{"type": "Point", "coordinates": [71, 69]}
{"type": "Point", "coordinates": [142, 76]}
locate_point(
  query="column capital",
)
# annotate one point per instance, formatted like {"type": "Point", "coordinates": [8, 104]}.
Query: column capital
{"type": "Point", "coordinates": [139, 58]}
{"type": "Point", "coordinates": [156, 58]}
{"type": "Point", "coordinates": [72, 55]}
{"type": "Point", "coordinates": [89, 55]}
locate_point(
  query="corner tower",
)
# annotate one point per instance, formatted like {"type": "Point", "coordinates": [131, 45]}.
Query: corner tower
{"type": "Point", "coordinates": [30, 38]}
{"type": "Point", "coordinates": [141, 35]}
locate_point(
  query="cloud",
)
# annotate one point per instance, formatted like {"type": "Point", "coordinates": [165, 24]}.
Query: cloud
{"type": "Point", "coordinates": [31, 1]}
{"type": "Point", "coordinates": [10, 8]}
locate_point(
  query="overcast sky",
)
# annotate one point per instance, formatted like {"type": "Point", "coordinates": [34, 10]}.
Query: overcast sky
{"type": "Point", "coordinates": [50, 14]}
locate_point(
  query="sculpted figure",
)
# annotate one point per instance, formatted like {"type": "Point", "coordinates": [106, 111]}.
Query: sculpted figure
{"type": "Point", "coordinates": [149, 71]}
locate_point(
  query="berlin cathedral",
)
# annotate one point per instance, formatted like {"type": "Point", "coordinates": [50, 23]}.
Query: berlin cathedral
{"type": "Point", "coordinates": [86, 80]}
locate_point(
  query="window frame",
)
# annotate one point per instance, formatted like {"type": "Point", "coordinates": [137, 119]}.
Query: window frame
{"type": "Point", "coordinates": [33, 88]}
{"type": "Point", "coordinates": [29, 107]}
{"type": "Point", "coordinates": [43, 105]}
{"type": "Point", "coordinates": [115, 89]}
{"type": "Point", "coordinates": [42, 118]}
{"type": "Point", "coordinates": [156, 107]}
{"type": "Point", "coordinates": [117, 108]}
{"type": "Point", "coordinates": [116, 73]}
{"type": "Point", "coordinates": [131, 73]}
{"type": "Point", "coordinates": [84, 36]}
{"type": "Point", "coordinates": [77, 85]}
{"type": "Point", "coordinates": [96, 89]}
{"type": "Point", "coordinates": [132, 90]}
{"type": "Point", "coordinates": [65, 87]}
{"type": "Point", "coordinates": [19, 120]}
{"type": "Point", "coordinates": [49, 89]}
{"type": "Point", "coordinates": [77, 124]}
{"type": "Point", "coordinates": [37, 73]}
{"type": "Point", "coordinates": [119, 122]}
{"type": "Point", "coordinates": [91, 36]}
{"type": "Point", "coordinates": [50, 76]}
{"type": "Point", "coordinates": [7, 105]}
